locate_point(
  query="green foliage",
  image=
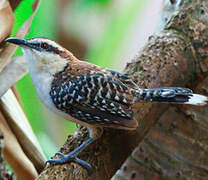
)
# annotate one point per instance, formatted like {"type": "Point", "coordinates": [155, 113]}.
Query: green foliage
{"type": "Point", "coordinates": [105, 49]}
{"type": "Point", "coordinates": [90, 3]}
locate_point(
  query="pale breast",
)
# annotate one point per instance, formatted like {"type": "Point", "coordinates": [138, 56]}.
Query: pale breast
{"type": "Point", "coordinates": [42, 82]}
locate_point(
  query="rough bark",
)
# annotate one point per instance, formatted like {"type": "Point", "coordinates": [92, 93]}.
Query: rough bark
{"type": "Point", "coordinates": [176, 145]}
{"type": "Point", "coordinates": [5, 174]}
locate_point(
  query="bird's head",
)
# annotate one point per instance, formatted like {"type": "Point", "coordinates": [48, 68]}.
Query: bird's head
{"type": "Point", "coordinates": [43, 54]}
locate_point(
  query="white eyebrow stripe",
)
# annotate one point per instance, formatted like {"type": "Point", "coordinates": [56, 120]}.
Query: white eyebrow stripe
{"type": "Point", "coordinates": [48, 41]}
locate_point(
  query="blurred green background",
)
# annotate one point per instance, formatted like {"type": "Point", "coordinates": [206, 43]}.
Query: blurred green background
{"type": "Point", "coordinates": [105, 32]}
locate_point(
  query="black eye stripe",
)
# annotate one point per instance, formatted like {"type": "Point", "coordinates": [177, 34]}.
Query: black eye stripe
{"type": "Point", "coordinates": [39, 47]}
{"type": "Point", "coordinates": [34, 46]}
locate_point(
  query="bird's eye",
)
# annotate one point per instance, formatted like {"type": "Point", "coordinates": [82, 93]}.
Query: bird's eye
{"type": "Point", "coordinates": [44, 46]}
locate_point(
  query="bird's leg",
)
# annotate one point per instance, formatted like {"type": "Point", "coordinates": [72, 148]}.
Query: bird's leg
{"type": "Point", "coordinates": [72, 156]}
{"type": "Point", "coordinates": [95, 133]}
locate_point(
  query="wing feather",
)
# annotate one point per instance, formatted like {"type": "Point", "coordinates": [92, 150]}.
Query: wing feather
{"type": "Point", "coordinates": [96, 98]}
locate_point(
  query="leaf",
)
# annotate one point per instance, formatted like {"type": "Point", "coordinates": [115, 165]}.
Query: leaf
{"type": "Point", "coordinates": [7, 53]}
{"type": "Point", "coordinates": [12, 73]}
{"type": "Point", "coordinates": [14, 4]}
{"type": "Point", "coordinates": [19, 124]}
{"type": "Point", "coordinates": [14, 154]}
{"type": "Point", "coordinates": [6, 19]}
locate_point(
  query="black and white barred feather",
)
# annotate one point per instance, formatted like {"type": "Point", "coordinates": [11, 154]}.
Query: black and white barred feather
{"type": "Point", "coordinates": [106, 97]}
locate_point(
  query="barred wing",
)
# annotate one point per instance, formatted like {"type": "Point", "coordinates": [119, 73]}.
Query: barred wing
{"type": "Point", "coordinates": [97, 99]}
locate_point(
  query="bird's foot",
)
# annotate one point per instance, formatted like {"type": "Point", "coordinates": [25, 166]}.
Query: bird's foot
{"type": "Point", "coordinates": [69, 158]}
{"type": "Point", "coordinates": [72, 156]}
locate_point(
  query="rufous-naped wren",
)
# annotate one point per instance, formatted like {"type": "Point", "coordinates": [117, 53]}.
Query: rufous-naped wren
{"type": "Point", "coordinates": [88, 94]}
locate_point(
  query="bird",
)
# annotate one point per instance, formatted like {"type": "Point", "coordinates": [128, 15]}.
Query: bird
{"type": "Point", "coordinates": [88, 94]}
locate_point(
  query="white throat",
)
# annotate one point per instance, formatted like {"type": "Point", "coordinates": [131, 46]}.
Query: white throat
{"type": "Point", "coordinates": [42, 71]}
{"type": "Point", "coordinates": [40, 62]}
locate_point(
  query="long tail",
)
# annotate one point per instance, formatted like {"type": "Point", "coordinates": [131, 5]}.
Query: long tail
{"type": "Point", "coordinates": [171, 95]}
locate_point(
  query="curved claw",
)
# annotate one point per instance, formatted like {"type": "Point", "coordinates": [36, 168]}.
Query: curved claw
{"type": "Point", "coordinates": [83, 163]}
{"type": "Point", "coordinates": [72, 156]}
{"type": "Point", "coordinates": [59, 161]}
{"type": "Point", "coordinates": [68, 158]}
{"type": "Point", "coordinates": [64, 158]}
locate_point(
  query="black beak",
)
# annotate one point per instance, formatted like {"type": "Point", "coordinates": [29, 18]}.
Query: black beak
{"type": "Point", "coordinates": [17, 41]}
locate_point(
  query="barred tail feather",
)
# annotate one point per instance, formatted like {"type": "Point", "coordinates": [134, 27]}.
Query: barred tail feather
{"type": "Point", "coordinates": [171, 95]}
{"type": "Point", "coordinates": [197, 99]}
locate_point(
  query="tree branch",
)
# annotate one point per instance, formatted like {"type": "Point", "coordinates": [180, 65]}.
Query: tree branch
{"type": "Point", "coordinates": [176, 147]}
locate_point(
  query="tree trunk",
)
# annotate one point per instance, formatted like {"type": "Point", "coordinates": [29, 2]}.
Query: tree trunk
{"type": "Point", "coordinates": [175, 147]}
